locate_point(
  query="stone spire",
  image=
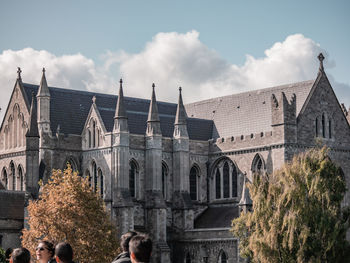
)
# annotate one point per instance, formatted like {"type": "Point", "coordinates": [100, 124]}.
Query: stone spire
{"type": "Point", "coordinates": [120, 117]}
{"type": "Point", "coordinates": [153, 122]}
{"type": "Point", "coordinates": [180, 129]}
{"type": "Point", "coordinates": [120, 111]}
{"type": "Point", "coordinates": [33, 124]}
{"type": "Point", "coordinates": [246, 202]}
{"type": "Point", "coordinates": [181, 114]}
{"type": "Point", "coordinates": [43, 89]}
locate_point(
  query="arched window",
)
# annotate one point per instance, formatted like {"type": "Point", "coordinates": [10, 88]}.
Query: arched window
{"type": "Point", "coordinates": [316, 127]}
{"type": "Point", "coordinates": [222, 257]}
{"type": "Point", "coordinates": [188, 258]}
{"type": "Point", "coordinates": [226, 175]}
{"type": "Point", "coordinates": [94, 175]}
{"type": "Point", "coordinates": [194, 183]}
{"type": "Point", "coordinates": [234, 175]}
{"type": "Point", "coordinates": [218, 184]}
{"type": "Point", "coordinates": [164, 180]}
{"type": "Point", "coordinates": [73, 164]}
{"type": "Point", "coordinates": [93, 134]}
{"type": "Point", "coordinates": [329, 128]}
{"type": "Point", "coordinates": [323, 126]}
{"type": "Point", "coordinates": [100, 183]}
{"type": "Point", "coordinates": [258, 164]}
{"type": "Point", "coordinates": [5, 178]}
{"type": "Point", "coordinates": [20, 179]}
{"type": "Point", "coordinates": [89, 133]}
{"type": "Point", "coordinates": [13, 175]}
{"type": "Point", "coordinates": [88, 176]}
{"type": "Point", "coordinates": [132, 178]}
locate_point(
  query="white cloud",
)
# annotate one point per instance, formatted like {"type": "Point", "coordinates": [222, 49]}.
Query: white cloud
{"type": "Point", "coordinates": [170, 60]}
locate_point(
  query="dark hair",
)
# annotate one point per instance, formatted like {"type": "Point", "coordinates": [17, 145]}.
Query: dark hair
{"type": "Point", "coordinates": [64, 252]}
{"type": "Point", "coordinates": [20, 255]}
{"type": "Point", "coordinates": [141, 247]}
{"type": "Point", "coordinates": [50, 247]}
{"type": "Point", "coordinates": [125, 239]}
{"type": "Point", "coordinates": [8, 253]}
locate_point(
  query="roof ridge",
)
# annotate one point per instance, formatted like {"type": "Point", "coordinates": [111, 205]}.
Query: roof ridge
{"type": "Point", "coordinates": [252, 91]}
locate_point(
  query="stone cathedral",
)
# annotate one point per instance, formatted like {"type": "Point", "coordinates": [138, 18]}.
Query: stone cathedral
{"type": "Point", "coordinates": [175, 171]}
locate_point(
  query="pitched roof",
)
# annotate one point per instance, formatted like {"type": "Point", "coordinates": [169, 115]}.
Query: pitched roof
{"type": "Point", "coordinates": [217, 217]}
{"type": "Point", "coordinates": [248, 112]}
{"type": "Point", "coordinates": [70, 108]}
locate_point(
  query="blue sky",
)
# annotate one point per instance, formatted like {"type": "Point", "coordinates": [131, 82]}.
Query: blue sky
{"type": "Point", "coordinates": [112, 37]}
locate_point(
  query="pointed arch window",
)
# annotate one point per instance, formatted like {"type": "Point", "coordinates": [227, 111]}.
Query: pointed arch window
{"type": "Point", "coordinates": [316, 127]}
{"type": "Point", "coordinates": [93, 134]}
{"type": "Point", "coordinates": [94, 175]}
{"type": "Point", "coordinates": [133, 172]}
{"type": "Point", "coordinates": [194, 173]}
{"type": "Point", "coordinates": [323, 126]}
{"type": "Point", "coordinates": [217, 184]}
{"type": "Point", "coordinates": [20, 178]}
{"type": "Point", "coordinates": [164, 179]}
{"type": "Point", "coordinates": [330, 128]}
{"type": "Point", "coordinates": [226, 177]}
{"type": "Point", "coordinates": [222, 257]}
{"type": "Point", "coordinates": [100, 182]}
{"type": "Point", "coordinates": [5, 178]}
{"type": "Point", "coordinates": [13, 175]}
{"type": "Point", "coordinates": [234, 176]}
{"type": "Point", "coordinates": [88, 176]}
{"type": "Point", "coordinates": [258, 164]}
{"type": "Point", "coordinates": [89, 133]}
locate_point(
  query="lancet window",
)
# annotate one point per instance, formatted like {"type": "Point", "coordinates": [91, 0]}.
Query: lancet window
{"type": "Point", "coordinates": [225, 176]}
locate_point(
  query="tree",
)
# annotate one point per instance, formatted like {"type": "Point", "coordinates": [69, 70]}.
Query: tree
{"type": "Point", "coordinates": [69, 210]}
{"type": "Point", "coordinates": [297, 214]}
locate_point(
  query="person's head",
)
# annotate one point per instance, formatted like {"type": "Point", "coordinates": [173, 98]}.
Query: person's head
{"type": "Point", "coordinates": [125, 239]}
{"type": "Point", "coordinates": [20, 255]}
{"type": "Point", "coordinates": [44, 251]}
{"type": "Point", "coordinates": [8, 254]}
{"type": "Point", "coordinates": [140, 247]}
{"type": "Point", "coordinates": [64, 253]}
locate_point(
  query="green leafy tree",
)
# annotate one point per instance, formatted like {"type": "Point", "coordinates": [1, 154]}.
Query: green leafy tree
{"type": "Point", "coordinates": [2, 255]}
{"type": "Point", "coordinates": [69, 210]}
{"type": "Point", "coordinates": [297, 214]}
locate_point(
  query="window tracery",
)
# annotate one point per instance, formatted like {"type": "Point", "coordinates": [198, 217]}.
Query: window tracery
{"type": "Point", "coordinates": [226, 179]}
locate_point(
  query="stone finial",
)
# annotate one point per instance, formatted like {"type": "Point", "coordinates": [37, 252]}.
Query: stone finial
{"type": "Point", "coordinates": [94, 99]}
{"type": "Point", "coordinates": [153, 108]}
{"type": "Point", "coordinates": [58, 130]}
{"type": "Point", "coordinates": [120, 111]}
{"type": "Point", "coordinates": [19, 71]}
{"type": "Point", "coordinates": [321, 58]}
{"type": "Point", "coordinates": [43, 88]}
{"type": "Point", "coordinates": [181, 114]}
{"type": "Point", "coordinates": [121, 83]}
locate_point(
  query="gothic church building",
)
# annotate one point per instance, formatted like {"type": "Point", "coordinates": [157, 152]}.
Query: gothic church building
{"type": "Point", "coordinates": [172, 170]}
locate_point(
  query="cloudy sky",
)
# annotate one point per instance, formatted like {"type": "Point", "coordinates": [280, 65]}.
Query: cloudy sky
{"type": "Point", "coordinates": [210, 48]}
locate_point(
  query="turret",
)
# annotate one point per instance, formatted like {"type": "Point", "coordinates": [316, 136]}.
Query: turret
{"type": "Point", "coordinates": [182, 204]}
{"type": "Point", "coordinates": [122, 201]}
{"type": "Point", "coordinates": [43, 98]}
{"type": "Point", "coordinates": [284, 122]}
{"type": "Point", "coordinates": [155, 205]}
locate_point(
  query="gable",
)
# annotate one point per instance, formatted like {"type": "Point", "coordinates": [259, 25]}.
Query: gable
{"type": "Point", "coordinates": [15, 122]}
{"type": "Point", "coordinates": [323, 105]}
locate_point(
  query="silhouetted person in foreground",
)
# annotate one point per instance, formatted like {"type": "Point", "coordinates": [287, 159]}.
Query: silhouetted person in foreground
{"type": "Point", "coordinates": [124, 257]}
{"type": "Point", "coordinates": [8, 253]}
{"type": "Point", "coordinates": [64, 253]}
{"type": "Point", "coordinates": [140, 248]}
{"type": "Point", "coordinates": [20, 255]}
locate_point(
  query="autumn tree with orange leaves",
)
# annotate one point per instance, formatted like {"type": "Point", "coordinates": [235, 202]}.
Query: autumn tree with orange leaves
{"type": "Point", "coordinates": [69, 210]}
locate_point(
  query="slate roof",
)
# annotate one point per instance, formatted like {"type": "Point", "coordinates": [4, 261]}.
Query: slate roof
{"type": "Point", "coordinates": [70, 108]}
{"type": "Point", "coordinates": [217, 217]}
{"type": "Point", "coordinates": [248, 112]}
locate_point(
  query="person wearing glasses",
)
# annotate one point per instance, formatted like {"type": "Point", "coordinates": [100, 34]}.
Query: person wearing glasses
{"type": "Point", "coordinates": [45, 252]}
